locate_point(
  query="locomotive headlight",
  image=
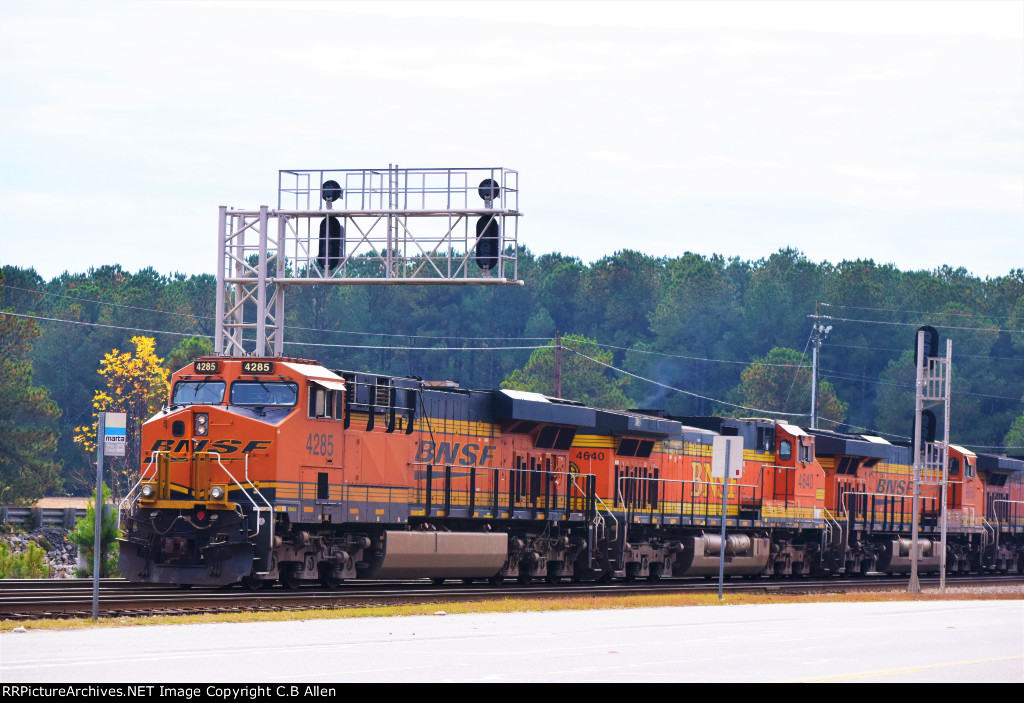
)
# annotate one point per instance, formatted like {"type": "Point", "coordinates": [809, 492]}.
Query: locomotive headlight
{"type": "Point", "coordinates": [216, 493]}
{"type": "Point", "coordinates": [201, 426]}
{"type": "Point", "coordinates": [148, 491]}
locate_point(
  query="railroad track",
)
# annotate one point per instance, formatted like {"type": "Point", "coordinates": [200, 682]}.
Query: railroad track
{"type": "Point", "coordinates": [32, 599]}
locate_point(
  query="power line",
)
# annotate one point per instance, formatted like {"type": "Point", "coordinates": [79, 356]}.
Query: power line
{"type": "Point", "coordinates": [702, 358]}
{"type": "Point", "coordinates": [680, 390]}
{"type": "Point", "coordinates": [99, 324]}
{"type": "Point", "coordinates": [915, 324]}
{"type": "Point", "coordinates": [291, 327]}
{"type": "Point", "coordinates": [306, 344]}
{"type": "Point", "coordinates": [843, 376]}
{"type": "Point", "coordinates": [357, 346]}
{"type": "Point", "coordinates": [465, 338]}
{"type": "Point", "coordinates": [837, 423]}
{"type": "Point", "coordinates": [920, 312]}
{"type": "Point", "coordinates": [102, 302]}
{"type": "Point", "coordinates": [955, 356]}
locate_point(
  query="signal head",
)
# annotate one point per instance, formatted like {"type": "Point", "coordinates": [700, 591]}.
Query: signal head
{"type": "Point", "coordinates": [331, 191]}
{"type": "Point", "coordinates": [489, 189]}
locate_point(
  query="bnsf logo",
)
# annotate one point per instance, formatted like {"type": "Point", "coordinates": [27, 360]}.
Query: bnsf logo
{"type": "Point", "coordinates": [221, 446]}
{"type": "Point", "coordinates": [893, 487]}
{"type": "Point", "coordinates": [448, 453]}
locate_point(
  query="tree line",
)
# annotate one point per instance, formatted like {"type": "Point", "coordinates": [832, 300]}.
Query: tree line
{"type": "Point", "coordinates": [691, 335]}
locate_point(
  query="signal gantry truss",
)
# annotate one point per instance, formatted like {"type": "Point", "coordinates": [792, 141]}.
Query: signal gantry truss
{"type": "Point", "coordinates": [405, 226]}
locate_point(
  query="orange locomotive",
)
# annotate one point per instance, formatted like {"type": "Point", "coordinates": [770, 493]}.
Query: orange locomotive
{"type": "Point", "coordinates": [265, 469]}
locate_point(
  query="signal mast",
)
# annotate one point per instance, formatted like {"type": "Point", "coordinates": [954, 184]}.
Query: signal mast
{"type": "Point", "coordinates": [393, 226]}
{"type": "Point", "coordinates": [931, 458]}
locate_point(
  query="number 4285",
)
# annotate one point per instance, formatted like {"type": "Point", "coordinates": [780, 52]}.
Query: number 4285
{"type": "Point", "coordinates": [320, 444]}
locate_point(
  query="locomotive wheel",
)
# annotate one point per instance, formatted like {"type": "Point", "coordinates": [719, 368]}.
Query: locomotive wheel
{"type": "Point", "coordinates": [496, 580]}
{"type": "Point", "coordinates": [654, 575]}
{"type": "Point", "coordinates": [328, 581]}
{"type": "Point", "coordinates": [632, 571]}
{"type": "Point", "coordinates": [605, 577]}
{"type": "Point", "coordinates": [251, 582]}
{"type": "Point", "coordinates": [524, 578]}
{"type": "Point", "coordinates": [289, 578]}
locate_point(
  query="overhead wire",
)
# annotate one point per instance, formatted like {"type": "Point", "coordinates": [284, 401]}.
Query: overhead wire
{"type": "Point", "coordinates": [291, 327]}
{"type": "Point", "coordinates": [900, 351]}
{"type": "Point", "coordinates": [700, 358]}
{"type": "Point", "coordinates": [842, 376]}
{"type": "Point", "coordinates": [680, 390]}
{"type": "Point", "coordinates": [915, 324]}
{"type": "Point", "coordinates": [919, 312]}
{"type": "Point", "coordinates": [100, 324]}
{"type": "Point", "coordinates": [609, 366]}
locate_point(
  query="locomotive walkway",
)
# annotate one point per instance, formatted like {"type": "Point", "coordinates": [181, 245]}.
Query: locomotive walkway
{"type": "Point", "coordinates": [936, 641]}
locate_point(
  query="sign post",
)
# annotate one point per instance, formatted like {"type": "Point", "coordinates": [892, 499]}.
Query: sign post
{"type": "Point", "coordinates": [726, 461]}
{"type": "Point", "coordinates": [111, 439]}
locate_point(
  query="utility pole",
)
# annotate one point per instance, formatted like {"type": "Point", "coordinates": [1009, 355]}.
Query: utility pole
{"type": "Point", "coordinates": [818, 335]}
{"type": "Point", "coordinates": [558, 364]}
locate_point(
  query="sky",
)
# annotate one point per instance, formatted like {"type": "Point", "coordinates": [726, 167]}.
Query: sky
{"type": "Point", "coordinates": [891, 131]}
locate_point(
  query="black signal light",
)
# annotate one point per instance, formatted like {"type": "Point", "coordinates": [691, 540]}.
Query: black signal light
{"type": "Point", "coordinates": [331, 191]}
{"type": "Point", "coordinates": [931, 343]}
{"type": "Point", "coordinates": [487, 242]}
{"type": "Point", "coordinates": [928, 425]}
{"type": "Point", "coordinates": [332, 244]}
{"type": "Point", "coordinates": [489, 189]}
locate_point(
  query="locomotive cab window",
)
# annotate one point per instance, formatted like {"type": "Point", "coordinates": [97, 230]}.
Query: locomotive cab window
{"type": "Point", "coordinates": [198, 393]}
{"type": "Point", "coordinates": [321, 402]}
{"type": "Point", "coordinates": [954, 466]}
{"type": "Point", "coordinates": [968, 468]}
{"type": "Point", "coordinates": [785, 450]}
{"type": "Point", "coordinates": [264, 393]}
{"type": "Point", "coordinates": [803, 452]}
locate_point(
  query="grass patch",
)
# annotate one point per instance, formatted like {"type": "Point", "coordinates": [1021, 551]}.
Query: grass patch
{"type": "Point", "coordinates": [512, 604]}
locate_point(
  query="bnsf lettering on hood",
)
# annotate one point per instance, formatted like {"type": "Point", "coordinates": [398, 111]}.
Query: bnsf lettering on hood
{"type": "Point", "coordinates": [449, 453]}
{"type": "Point", "coordinates": [221, 446]}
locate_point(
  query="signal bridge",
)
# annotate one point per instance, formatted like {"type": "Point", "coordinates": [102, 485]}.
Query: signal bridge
{"type": "Point", "coordinates": [393, 226]}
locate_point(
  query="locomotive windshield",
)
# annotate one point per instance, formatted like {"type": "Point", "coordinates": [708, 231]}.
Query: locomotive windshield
{"type": "Point", "coordinates": [197, 393]}
{"type": "Point", "coordinates": [264, 393]}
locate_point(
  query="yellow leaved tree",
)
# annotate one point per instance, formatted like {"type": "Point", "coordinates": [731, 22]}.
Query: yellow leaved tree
{"type": "Point", "coordinates": [136, 384]}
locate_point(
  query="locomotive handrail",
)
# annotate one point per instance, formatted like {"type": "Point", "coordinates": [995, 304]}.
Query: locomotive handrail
{"type": "Point", "coordinates": [266, 502]}
{"type": "Point", "coordinates": [829, 516]}
{"type": "Point", "coordinates": [498, 469]}
{"type": "Point", "coordinates": [998, 519]}
{"type": "Point", "coordinates": [880, 495]}
{"type": "Point", "coordinates": [605, 506]}
{"type": "Point", "coordinates": [621, 499]}
{"type": "Point", "coordinates": [1005, 500]}
{"type": "Point", "coordinates": [877, 495]}
{"type": "Point", "coordinates": [625, 509]}
{"type": "Point", "coordinates": [995, 533]}
{"type": "Point", "coordinates": [255, 507]}
{"type": "Point", "coordinates": [126, 502]}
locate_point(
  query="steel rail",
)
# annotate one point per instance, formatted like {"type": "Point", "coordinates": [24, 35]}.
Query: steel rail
{"type": "Point", "coordinates": [19, 601]}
